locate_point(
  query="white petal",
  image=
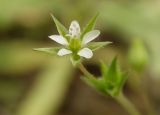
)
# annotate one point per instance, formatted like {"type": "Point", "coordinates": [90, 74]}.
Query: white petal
{"type": "Point", "coordinates": [74, 29]}
{"type": "Point", "coordinates": [85, 52]}
{"type": "Point", "coordinates": [59, 39]}
{"type": "Point", "coordinates": [90, 36]}
{"type": "Point", "coordinates": [63, 52]}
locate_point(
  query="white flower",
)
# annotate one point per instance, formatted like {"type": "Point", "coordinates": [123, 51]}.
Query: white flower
{"type": "Point", "coordinates": [76, 45]}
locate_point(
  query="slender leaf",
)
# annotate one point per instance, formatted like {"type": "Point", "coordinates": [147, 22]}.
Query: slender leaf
{"type": "Point", "coordinates": [112, 72]}
{"type": "Point", "coordinates": [52, 50]}
{"type": "Point", "coordinates": [123, 78]}
{"type": "Point", "coordinates": [95, 83]}
{"type": "Point", "coordinates": [103, 68]}
{"type": "Point", "coordinates": [90, 25]}
{"type": "Point", "coordinates": [97, 45]}
{"type": "Point", "coordinates": [60, 27]}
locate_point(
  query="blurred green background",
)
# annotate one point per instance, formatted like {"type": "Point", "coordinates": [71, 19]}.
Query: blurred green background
{"type": "Point", "coordinates": [33, 83]}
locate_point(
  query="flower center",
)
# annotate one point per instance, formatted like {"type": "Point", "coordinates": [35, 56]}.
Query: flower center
{"type": "Point", "coordinates": [75, 45]}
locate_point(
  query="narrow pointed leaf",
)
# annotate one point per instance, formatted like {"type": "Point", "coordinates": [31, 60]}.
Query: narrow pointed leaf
{"type": "Point", "coordinates": [112, 72]}
{"type": "Point", "coordinates": [60, 27]}
{"type": "Point", "coordinates": [90, 25]}
{"type": "Point", "coordinates": [122, 80]}
{"type": "Point", "coordinates": [97, 45]}
{"type": "Point", "coordinates": [95, 83]}
{"type": "Point", "coordinates": [52, 50]}
{"type": "Point", "coordinates": [104, 69]}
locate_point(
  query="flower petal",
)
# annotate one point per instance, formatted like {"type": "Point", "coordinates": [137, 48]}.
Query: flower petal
{"type": "Point", "coordinates": [63, 52]}
{"type": "Point", "coordinates": [59, 39]}
{"type": "Point", "coordinates": [90, 36]}
{"type": "Point", "coordinates": [74, 29]}
{"type": "Point", "coordinates": [85, 52]}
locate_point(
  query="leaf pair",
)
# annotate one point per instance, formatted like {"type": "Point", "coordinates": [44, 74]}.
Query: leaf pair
{"type": "Point", "coordinates": [111, 81]}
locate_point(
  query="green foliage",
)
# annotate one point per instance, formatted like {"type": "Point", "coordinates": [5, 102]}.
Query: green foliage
{"type": "Point", "coordinates": [90, 25]}
{"type": "Point", "coordinates": [112, 80]}
{"type": "Point", "coordinates": [97, 45]}
{"type": "Point", "coordinates": [52, 50]}
{"type": "Point", "coordinates": [61, 28]}
{"type": "Point", "coordinates": [97, 84]}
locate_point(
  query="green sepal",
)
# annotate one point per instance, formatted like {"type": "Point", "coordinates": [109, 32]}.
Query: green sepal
{"type": "Point", "coordinates": [52, 50]}
{"type": "Point", "coordinates": [75, 59]}
{"type": "Point", "coordinates": [60, 27]}
{"type": "Point", "coordinates": [90, 25]}
{"type": "Point", "coordinates": [97, 45]}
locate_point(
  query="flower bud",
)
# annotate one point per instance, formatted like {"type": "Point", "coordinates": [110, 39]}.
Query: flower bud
{"type": "Point", "coordinates": [138, 55]}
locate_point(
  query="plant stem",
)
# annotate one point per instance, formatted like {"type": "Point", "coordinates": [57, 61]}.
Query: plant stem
{"type": "Point", "coordinates": [121, 99]}
{"type": "Point", "coordinates": [84, 70]}
{"type": "Point", "coordinates": [139, 88]}
{"type": "Point", "coordinates": [130, 108]}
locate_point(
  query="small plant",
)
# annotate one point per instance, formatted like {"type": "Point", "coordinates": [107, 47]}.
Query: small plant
{"type": "Point", "coordinates": [110, 82]}
{"type": "Point", "coordinates": [77, 45]}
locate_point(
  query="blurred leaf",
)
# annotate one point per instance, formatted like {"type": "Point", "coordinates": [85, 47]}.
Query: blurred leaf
{"type": "Point", "coordinates": [123, 77]}
{"type": "Point", "coordinates": [103, 68]}
{"type": "Point", "coordinates": [53, 50]}
{"type": "Point", "coordinates": [96, 45]}
{"type": "Point", "coordinates": [90, 25]}
{"type": "Point", "coordinates": [112, 72]}
{"type": "Point", "coordinates": [61, 28]}
{"type": "Point", "coordinates": [95, 83]}
{"type": "Point", "coordinates": [49, 89]}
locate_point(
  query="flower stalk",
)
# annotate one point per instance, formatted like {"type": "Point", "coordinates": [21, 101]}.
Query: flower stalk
{"type": "Point", "coordinates": [84, 70]}
{"type": "Point", "coordinates": [126, 104]}
{"type": "Point", "coordinates": [120, 98]}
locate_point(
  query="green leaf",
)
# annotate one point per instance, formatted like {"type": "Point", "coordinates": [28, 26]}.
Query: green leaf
{"type": "Point", "coordinates": [118, 87]}
{"type": "Point", "coordinates": [52, 50]}
{"type": "Point", "coordinates": [61, 28]}
{"type": "Point", "coordinates": [112, 72]}
{"type": "Point", "coordinates": [90, 25]}
{"type": "Point", "coordinates": [98, 84]}
{"type": "Point", "coordinates": [104, 68]}
{"type": "Point", "coordinates": [97, 45]}
{"type": "Point", "coordinates": [123, 78]}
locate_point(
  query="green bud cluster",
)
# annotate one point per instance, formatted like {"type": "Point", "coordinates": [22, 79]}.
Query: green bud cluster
{"type": "Point", "coordinates": [111, 81]}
